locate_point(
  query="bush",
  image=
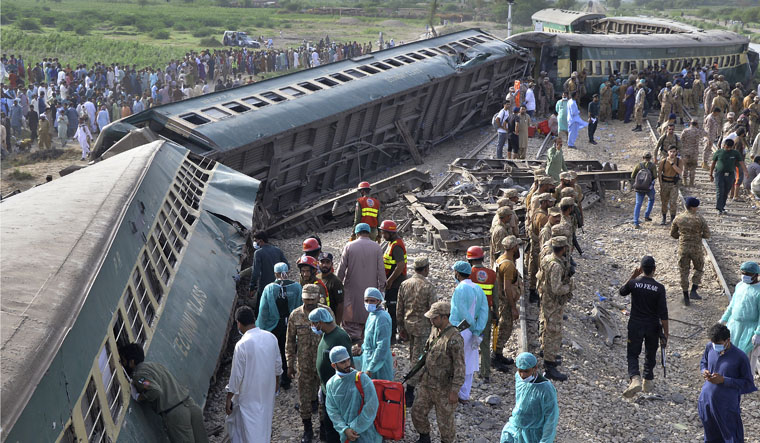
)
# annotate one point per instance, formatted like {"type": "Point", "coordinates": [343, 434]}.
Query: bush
{"type": "Point", "coordinates": [48, 20]}
{"type": "Point", "coordinates": [18, 175]}
{"type": "Point", "coordinates": [287, 25]}
{"type": "Point", "coordinates": [450, 7]}
{"type": "Point", "coordinates": [210, 21]}
{"type": "Point", "coordinates": [203, 32]}
{"type": "Point", "coordinates": [29, 24]}
{"type": "Point", "coordinates": [168, 21]}
{"type": "Point", "coordinates": [210, 42]}
{"type": "Point", "coordinates": [180, 27]}
{"type": "Point", "coordinates": [124, 19]}
{"type": "Point", "coordinates": [66, 25]}
{"type": "Point", "coordinates": [160, 34]}
{"type": "Point", "coordinates": [81, 28]}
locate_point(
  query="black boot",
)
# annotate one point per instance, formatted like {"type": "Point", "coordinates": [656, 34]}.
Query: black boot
{"type": "Point", "coordinates": [308, 432]}
{"type": "Point", "coordinates": [322, 432]}
{"type": "Point", "coordinates": [424, 438]}
{"type": "Point", "coordinates": [409, 396]}
{"type": "Point", "coordinates": [501, 363]}
{"type": "Point", "coordinates": [637, 128]}
{"type": "Point", "coordinates": [664, 221]}
{"type": "Point", "coordinates": [672, 217]}
{"type": "Point", "coordinates": [314, 406]}
{"type": "Point", "coordinates": [685, 298]}
{"type": "Point", "coordinates": [681, 121]}
{"type": "Point", "coordinates": [551, 372]}
{"type": "Point", "coordinates": [533, 298]}
{"type": "Point", "coordinates": [693, 295]}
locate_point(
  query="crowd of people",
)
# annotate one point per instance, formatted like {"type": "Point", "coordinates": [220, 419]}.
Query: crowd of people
{"type": "Point", "coordinates": [44, 100]}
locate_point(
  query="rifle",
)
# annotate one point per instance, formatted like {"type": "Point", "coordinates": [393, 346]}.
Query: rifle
{"type": "Point", "coordinates": [662, 354]}
{"type": "Point", "coordinates": [423, 357]}
{"type": "Point", "coordinates": [576, 245]}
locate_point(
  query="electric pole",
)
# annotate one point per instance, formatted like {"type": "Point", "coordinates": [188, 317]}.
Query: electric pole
{"type": "Point", "coordinates": [509, 17]}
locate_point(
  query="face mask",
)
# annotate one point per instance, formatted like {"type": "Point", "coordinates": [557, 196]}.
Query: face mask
{"type": "Point", "coordinates": [529, 379]}
{"type": "Point", "coordinates": [240, 332]}
{"type": "Point", "coordinates": [316, 331]}
{"type": "Point", "coordinates": [256, 246]}
{"type": "Point", "coordinates": [747, 279]}
{"type": "Point", "coordinates": [370, 307]}
{"type": "Point", "coordinates": [719, 348]}
{"type": "Point", "coordinates": [343, 374]}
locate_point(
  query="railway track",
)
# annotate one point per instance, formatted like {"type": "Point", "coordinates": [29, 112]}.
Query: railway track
{"type": "Point", "coordinates": [734, 235]}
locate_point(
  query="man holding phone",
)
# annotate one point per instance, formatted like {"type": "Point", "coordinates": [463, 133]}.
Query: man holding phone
{"type": "Point", "coordinates": [649, 316]}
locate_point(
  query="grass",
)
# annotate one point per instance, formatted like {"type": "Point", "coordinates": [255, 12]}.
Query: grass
{"type": "Point", "coordinates": [19, 176]}
{"type": "Point", "coordinates": [86, 31]}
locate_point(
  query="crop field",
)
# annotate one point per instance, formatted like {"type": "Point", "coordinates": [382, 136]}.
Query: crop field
{"type": "Point", "coordinates": [151, 32]}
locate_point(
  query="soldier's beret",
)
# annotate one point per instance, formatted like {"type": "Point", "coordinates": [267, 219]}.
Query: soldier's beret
{"type": "Point", "coordinates": [559, 241]}
{"type": "Point", "coordinates": [692, 202]}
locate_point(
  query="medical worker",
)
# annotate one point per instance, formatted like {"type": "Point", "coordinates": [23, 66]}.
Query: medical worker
{"type": "Point", "coordinates": [352, 414]}
{"type": "Point", "coordinates": [535, 415]}
{"type": "Point", "coordinates": [574, 121]}
{"type": "Point", "coordinates": [743, 313]}
{"type": "Point", "coordinates": [377, 360]}
{"type": "Point", "coordinates": [468, 303]}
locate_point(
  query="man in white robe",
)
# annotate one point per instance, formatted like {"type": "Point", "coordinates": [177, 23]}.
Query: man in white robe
{"type": "Point", "coordinates": [574, 121]}
{"type": "Point", "coordinates": [255, 376]}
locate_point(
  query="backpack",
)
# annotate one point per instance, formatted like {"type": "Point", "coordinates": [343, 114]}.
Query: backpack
{"type": "Point", "coordinates": [391, 411]}
{"type": "Point", "coordinates": [643, 180]}
{"type": "Point", "coordinates": [495, 120]}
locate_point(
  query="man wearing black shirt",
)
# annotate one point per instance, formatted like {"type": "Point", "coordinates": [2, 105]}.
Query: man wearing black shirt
{"type": "Point", "coordinates": [649, 309]}
{"type": "Point", "coordinates": [593, 118]}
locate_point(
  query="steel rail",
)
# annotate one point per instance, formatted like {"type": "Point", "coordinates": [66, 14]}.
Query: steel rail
{"type": "Point", "coordinates": [449, 176]}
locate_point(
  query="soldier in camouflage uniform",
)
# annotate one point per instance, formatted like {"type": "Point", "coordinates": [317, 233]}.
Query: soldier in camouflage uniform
{"type": "Point", "coordinates": [666, 140]}
{"type": "Point", "coordinates": [301, 354]}
{"type": "Point", "coordinates": [666, 102]}
{"type": "Point", "coordinates": [714, 129]}
{"type": "Point", "coordinates": [670, 170]}
{"type": "Point", "coordinates": [605, 101]}
{"type": "Point", "coordinates": [557, 230]}
{"type": "Point", "coordinates": [501, 230]}
{"type": "Point", "coordinates": [721, 103]}
{"type": "Point", "coordinates": [677, 93]}
{"type": "Point", "coordinates": [754, 116]}
{"type": "Point", "coordinates": [569, 220]}
{"type": "Point", "coordinates": [441, 378]}
{"type": "Point", "coordinates": [510, 287]}
{"type": "Point", "coordinates": [415, 296]}
{"type": "Point", "coordinates": [690, 228]}
{"type": "Point", "coordinates": [555, 216]}
{"type": "Point", "coordinates": [539, 218]}
{"type": "Point", "coordinates": [691, 138]}
{"type": "Point", "coordinates": [503, 202]}
{"type": "Point", "coordinates": [556, 286]}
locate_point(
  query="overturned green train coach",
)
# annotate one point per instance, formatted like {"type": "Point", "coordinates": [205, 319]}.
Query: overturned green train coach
{"type": "Point", "coordinates": [136, 248]}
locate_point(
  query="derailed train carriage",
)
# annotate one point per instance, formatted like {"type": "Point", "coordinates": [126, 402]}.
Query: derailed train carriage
{"type": "Point", "coordinates": [312, 132]}
{"type": "Point", "coordinates": [136, 248]}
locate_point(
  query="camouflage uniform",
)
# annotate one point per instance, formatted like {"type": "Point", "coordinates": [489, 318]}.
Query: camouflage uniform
{"type": "Point", "coordinates": [499, 232]}
{"type": "Point", "coordinates": [556, 288]}
{"type": "Point", "coordinates": [539, 218]}
{"type": "Point", "coordinates": [677, 93]}
{"type": "Point", "coordinates": [721, 102]}
{"type": "Point", "coordinates": [442, 374]}
{"type": "Point", "coordinates": [605, 103]}
{"type": "Point", "coordinates": [691, 137]}
{"type": "Point", "coordinates": [698, 89]}
{"type": "Point", "coordinates": [690, 229]}
{"type": "Point", "coordinates": [713, 127]}
{"type": "Point", "coordinates": [301, 352]}
{"type": "Point", "coordinates": [511, 288]}
{"type": "Point", "coordinates": [415, 296]}
{"type": "Point", "coordinates": [754, 117]}
{"type": "Point", "coordinates": [546, 99]}
{"type": "Point", "coordinates": [664, 142]}
{"type": "Point", "coordinates": [668, 189]}
{"type": "Point", "coordinates": [666, 104]}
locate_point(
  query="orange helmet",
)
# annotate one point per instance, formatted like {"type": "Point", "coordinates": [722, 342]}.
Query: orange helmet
{"type": "Point", "coordinates": [364, 185]}
{"type": "Point", "coordinates": [475, 253]}
{"type": "Point", "coordinates": [387, 225]}
{"type": "Point", "coordinates": [306, 260]}
{"type": "Point", "coordinates": [311, 244]}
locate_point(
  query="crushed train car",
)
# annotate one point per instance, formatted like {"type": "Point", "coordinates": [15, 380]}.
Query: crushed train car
{"type": "Point", "coordinates": [320, 130]}
{"type": "Point", "coordinates": [131, 249]}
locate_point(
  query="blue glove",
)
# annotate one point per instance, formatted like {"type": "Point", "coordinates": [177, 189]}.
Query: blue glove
{"type": "Point", "coordinates": [236, 277]}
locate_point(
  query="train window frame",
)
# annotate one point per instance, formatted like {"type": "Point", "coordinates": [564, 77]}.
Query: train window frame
{"type": "Point", "coordinates": [617, 66]}
{"type": "Point", "coordinates": [292, 91]}
{"type": "Point", "coordinates": [597, 67]}
{"type": "Point", "coordinates": [393, 62]}
{"type": "Point", "coordinates": [69, 434]}
{"type": "Point", "coordinates": [119, 318]}
{"type": "Point", "coordinates": [405, 59]}
{"type": "Point", "coordinates": [368, 69]}
{"type": "Point", "coordinates": [415, 56]}
{"type": "Point", "coordinates": [381, 66]}
{"type": "Point", "coordinates": [255, 101]}
{"type": "Point", "coordinates": [215, 113]}
{"type": "Point", "coordinates": [309, 86]}
{"type": "Point", "coordinates": [144, 298]}
{"type": "Point", "coordinates": [194, 118]}
{"type": "Point", "coordinates": [273, 96]}
{"type": "Point", "coordinates": [135, 320]}
{"type": "Point", "coordinates": [92, 398]}
{"type": "Point", "coordinates": [111, 382]}
{"type": "Point", "coordinates": [236, 107]}
{"type": "Point", "coordinates": [341, 77]}
{"type": "Point", "coordinates": [427, 52]}
{"type": "Point", "coordinates": [354, 73]}
{"type": "Point", "coordinates": [588, 65]}
{"type": "Point", "coordinates": [326, 81]}
{"type": "Point", "coordinates": [477, 39]}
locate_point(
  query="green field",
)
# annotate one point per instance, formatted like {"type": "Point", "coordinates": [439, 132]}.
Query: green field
{"type": "Point", "coordinates": [86, 31]}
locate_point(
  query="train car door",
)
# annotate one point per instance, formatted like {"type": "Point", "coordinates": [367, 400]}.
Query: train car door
{"type": "Point", "coordinates": [574, 52]}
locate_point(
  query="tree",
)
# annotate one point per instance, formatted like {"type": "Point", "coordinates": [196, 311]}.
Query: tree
{"type": "Point", "coordinates": [614, 4]}
{"type": "Point", "coordinates": [566, 4]}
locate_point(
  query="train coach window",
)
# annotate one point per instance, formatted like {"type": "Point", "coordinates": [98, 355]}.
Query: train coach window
{"type": "Point", "coordinates": [153, 283]}
{"type": "Point", "coordinates": [92, 413]}
{"type": "Point", "coordinates": [607, 68]}
{"type": "Point", "coordinates": [342, 77]}
{"type": "Point", "coordinates": [416, 56]}
{"type": "Point", "coordinates": [355, 73]}
{"type": "Point", "coordinates": [108, 369]}
{"type": "Point", "coordinates": [405, 59]}
{"type": "Point", "coordinates": [119, 330]}
{"type": "Point", "coordinates": [269, 95]}
{"type": "Point", "coordinates": [617, 66]}
{"type": "Point", "coordinates": [393, 62]}
{"type": "Point", "coordinates": [588, 66]}
{"type": "Point", "coordinates": [215, 112]}
{"type": "Point", "coordinates": [194, 118]}
{"type": "Point", "coordinates": [444, 48]}
{"type": "Point", "coordinates": [69, 436]}
{"type": "Point", "coordinates": [309, 86]}
{"type": "Point", "coordinates": [255, 102]}
{"type": "Point", "coordinates": [382, 66]}
{"type": "Point", "coordinates": [142, 297]}
{"type": "Point", "coordinates": [428, 53]}
{"type": "Point", "coordinates": [477, 39]}
{"type": "Point", "coordinates": [458, 46]}
{"type": "Point", "coordinates": [326, 81]}
{"type": "Point", "coordinates": [368, 69]}
{"type": "Point", "coordinates": [135, 322]}
{"type": "Point", "coordinates": [597, 68]}
{"type": "Point", "coordinates": [237, 107]}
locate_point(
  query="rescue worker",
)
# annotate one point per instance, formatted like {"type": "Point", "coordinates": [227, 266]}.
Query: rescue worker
{"type": "Point", "coordinates": [742, 317]}
{"type": "Point", "coordinates": [503, 228]}
{"type": "Point", "coordinates": [415, 297]}
{"type": "Point", "coordinates": [486, 279]}
{"type": "Point", "coordinates": [332, 283]}
{"type": "Point", "coordinates": [441, 378]}
{"type": "Point", "coordinates": [312, 247]}
{"type": "Point", "coordinates": [377, 360]}
{"type": "Point", "coordinates": [510, 286]}
{"type": "Point", "coordinates": [690, 228]}
{"type": "Point", "coordinates": [301, 356]}
{"type": "Point", "coordinates": [665, 141]}
{"type": "Point", "coordinates": [665, 98]}
{"type": "Point", "coordinates": [468, 303]}
{"type": "Point", "coordinates": [367, 210]}
{"type": "Point", "coordinates": [308, 267]}
{"type": "Point", "coordinates": [352, 414]}
{"type": "Point", "coordinates": [154, 385]}
{"type": "Point", "coordinates": [691, 139]}
{"type": "Point", "coordinates": [394, 261]}
{"type": "Point", "coordinates": [539, 217]}
{"type": "Point", "coordinates": [670, 170]}
{"type": "Point", "coordinates": [555, 285]}
{"type": "Point", "coordinates": [278, 300]}
{"type": "Point", "coordinates": [536, 413]}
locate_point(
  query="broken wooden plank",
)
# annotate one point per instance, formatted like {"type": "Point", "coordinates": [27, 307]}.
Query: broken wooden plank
{"type": "Point", "coordinates": [410, 143]}
{"type": "Point", "coordinates": [428, 216]}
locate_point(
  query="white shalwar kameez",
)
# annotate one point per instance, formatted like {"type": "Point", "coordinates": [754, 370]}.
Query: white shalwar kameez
{"type": "Point", "coordinates": [83, 136]}
{"type": "Point", "coordinates": [255, 365]}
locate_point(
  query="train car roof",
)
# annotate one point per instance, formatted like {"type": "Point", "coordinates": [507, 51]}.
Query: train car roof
{"type": "Point", "coordinates": [687, 39]}
{"type": "Point", "coordinates": [563, 16]}
{"type": "Point", "coordinates": [279, 104]}
{"type": "Point", "coordinates": [655, 21]}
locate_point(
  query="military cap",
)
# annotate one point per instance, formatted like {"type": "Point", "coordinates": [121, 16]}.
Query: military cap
{"type": "Point", "coordinates": [439, 308]}
{"type": "Point", "coordinates": [554, 211]}
{"type": "Point", "coordinates": [421, 262]}
{"type": "Point", "coordinates": [559, 241]}
{"type": "Point", "coordinates": [573, 174]}
{"type": "Point", "coordinates": [339, 354]}
{"type": "Point", "coordinates": [668, 84]}
{"type": "Point", "coordinates": [511, 192]}
{"type": "Point", "coordinates": [510, 242]}
{"type": "Point", "coordinates": [310, 291]}
{"type": "Point", "coordinates": [545, 197]}
{"type": "Point", "coordinates": [565, 176]}
{"type": "Point", "coordinates": [692, 202]}
{"type": "Point", "coordinates": [504, 211]}
{"type": "Point", "coordinates": [504, 201]}
{"type": "Point", "coordinates": [526, 361]}
{"type": "Point", "coordinates": [545, 180]}
{"type": "Point", "coordinates": [566, 201]}
{"type": "Point", "coordinates": [750, 267]}
{"type": "Point", "coordinates": [560, 230]}
{"type": "Point", "coordinates": [567, 192]}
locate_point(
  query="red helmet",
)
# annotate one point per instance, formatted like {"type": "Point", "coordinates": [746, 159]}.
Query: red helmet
{"type": "Point", "coordinates": [475, 253]}
{"type": "Point", "coordinates": [311, 244]}
{"type": "Point", "coordinates": [363, 185]}
{"type": "Point", "coordinates": [388, 225]}
{"type": "Point", "coordinates": [306, 260]}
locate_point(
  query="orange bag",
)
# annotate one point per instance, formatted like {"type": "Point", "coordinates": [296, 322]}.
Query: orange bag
{"type": "Point", "coordinates": [391, 412]}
